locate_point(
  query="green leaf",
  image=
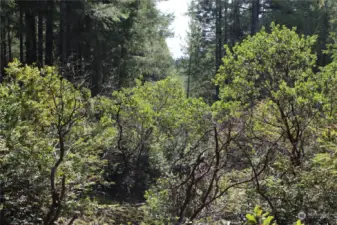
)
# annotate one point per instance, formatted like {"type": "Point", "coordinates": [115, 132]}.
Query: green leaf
{"type": "Point", "coordinates": [251, 218]}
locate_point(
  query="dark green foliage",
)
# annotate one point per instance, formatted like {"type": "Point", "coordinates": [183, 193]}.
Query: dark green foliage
{"type": "Point", "coordinates": [218, 22]}
{"type": "Point", "coordinates": [149, 151]}
{"type": "Point", "coordinates": [105, 43]}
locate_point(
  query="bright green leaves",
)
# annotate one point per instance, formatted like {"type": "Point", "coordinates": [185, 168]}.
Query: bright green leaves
{"type": "Point", "coordinates": [298, 222]}
{"type": "Point", "coordinates": [275, 114]}
{"type": "Point", "coordinates": [44, 119]}
{"type": "Point", "coordinates": [251, 219]}
{"type": "Point", "coordinates": [259, 218]}
{"type": "Point", "coordinates": [268, 83]}
{"type": "Point", "coordinates": [270, 76]}
{"type": "Point", "coordinates": [258, 66]}
{"type": "Point", "coordinates": [160, 104]}
{"type": "Point", "coordinates": [158, 123]}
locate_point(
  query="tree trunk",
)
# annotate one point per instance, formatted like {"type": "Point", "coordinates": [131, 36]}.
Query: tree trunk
{"type": "Point", "coordinates": [40, 39]}
{"type": "Point", "coordinates": [63, 31]}
{"type": "Point", "coordinates": [68, 50]}
{"type": "Point", "coordinates": [49, 33]}
{"type": "Point", "coordinates": [85, 46]}
{"type": "Point", "coordinates": [97, 75]}
{"type": "Point", "coordinates": [9, 41]}
{"type": "Point", "coordinates": [323, 58]}
{"type": "Point", "coordinates": [226, 30]}
{"type": "Point", "coordinates": [226, 22]}
{"type": "Point", "coordinates": [218, 30]}
{"type": "Point", "coordinates": [120, 64]}
{"type": "Point", "coordinates": [255, 16]}
{"type": "Point", "coordinates": [1, 63]}
{"type": "Point", "coordinates": [3, 52]}
{"type": "Point", "coordinates": [96, 80]}
{"type": "Point", "coordinates": [236, 33]}
{"type": "Point", "coordinates": [189, 74]}
{"type": "Point", "coordinates": [21, 32]}
{"type": "Point", "coordinates": [30, 37]}
{"type": "Point", "coordinates": [79, 52]}
{"type": "Point", "coordinates": [4, 47]}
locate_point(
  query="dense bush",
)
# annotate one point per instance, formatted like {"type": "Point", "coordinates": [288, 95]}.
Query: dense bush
{"type": "Point", "coordinates": [269, 140]}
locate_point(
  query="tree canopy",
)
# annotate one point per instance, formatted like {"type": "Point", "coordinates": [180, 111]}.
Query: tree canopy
{"type": "Point", "coordinates": [98, 125]}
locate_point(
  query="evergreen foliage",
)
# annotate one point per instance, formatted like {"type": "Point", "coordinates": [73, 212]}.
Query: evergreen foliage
{"type": "Point", "coordinates": [97, 128]}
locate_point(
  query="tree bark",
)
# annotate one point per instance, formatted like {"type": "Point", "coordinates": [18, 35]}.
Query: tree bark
{"type": "Point", "coordinates": [63, 31]}
{"type": "Point", "coordinates": [40, 39]}
{"type": "Point", "coordinates": [49, 33]}
{"type": "Point", "coordinates": [218, 50]}
{"type": "Point", "coordinates": [68, 50]}
{"type": "Point", "coordinates": [236, 33]}
{"type": "Point", "coordinates": [97, 77]}
{"type": "Point", "coordinates": [4, 46]}
{"type": "Point", "coordinates": [30, 37]}
{"type": "Point", "coordinates": [120, 64]}
{"type": "Point", "coordinates": [225, 38]}
{"type": "Point", "coordinates": [9, 40]}
{"type": "Point", "coordinates": [323, 58]}
{"type": "Point", "coordinates": [3, 52]}
{"type": "Point", "coordinates": [21, 32]}
{"type": "Point", "coordinates": [255, 16]}
{"type": "Point", "coordinates": [189, 74]}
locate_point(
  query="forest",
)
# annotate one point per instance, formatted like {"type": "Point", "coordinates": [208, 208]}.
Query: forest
{"type": "Point", "coordinates": [99, 124]}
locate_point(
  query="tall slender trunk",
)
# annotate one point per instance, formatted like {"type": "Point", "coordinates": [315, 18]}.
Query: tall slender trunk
{"type": "Point", "coordinates": [120, 64]}
{"type": "Point", "coordinates": [30, 37]}
{"type": "Point", "coordinates": [189, 74]}
{"type": "Point", "coordinates": [1, 63]}
{"type": "Point", "coordinates": [255, 16]}
{"type": "Point", "coordinates": [40, 39]}
{"type": "Point", "coordinates": [218, 30]}
{"type": "Point", "coordinates": [236, 32]}
{"type": "Point", "coordinates": [85, 46]}
{"type": "Point", "coordinates": [2, 52]}
{"type": "Point", "coordinates": [49, 33]}
{"type": "Point", "coordinates": [9, 41]}
{"type": "Point", "coordinates": [225, 38]}
{"type": "Point", "coordinates": [4, 46]}
{"type": "Point", "coordinates": [63, 31]}
{"type": "Point", "coordinates": [226, 29]}
{"type": "Point", "coordinates": [97, 78]}
{"type": "Point", "coordinates": [79, 53]}
{"type": "Point", "coordinates": [21, 32]}
{"type": "Point", "coordinates": [68, 50]}
{"type": "Point", "coordinates": [323, 58]}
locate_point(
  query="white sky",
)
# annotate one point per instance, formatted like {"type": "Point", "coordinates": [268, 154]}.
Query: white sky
{"type": "Point", "coordinates": [179, 25]}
